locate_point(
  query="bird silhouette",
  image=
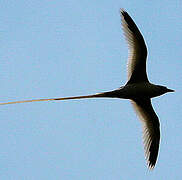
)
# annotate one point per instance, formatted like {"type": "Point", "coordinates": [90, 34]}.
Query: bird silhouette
{"type": "Point", "coordinates": [138, 89]}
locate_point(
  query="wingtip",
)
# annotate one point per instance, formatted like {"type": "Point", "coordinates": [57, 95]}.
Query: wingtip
{"type": "Point", "coordinates": [151, 162]}
{"type": "Point", "coordinates": [122, 11]}
{"type": "Point", "coordinates": [151, 166]}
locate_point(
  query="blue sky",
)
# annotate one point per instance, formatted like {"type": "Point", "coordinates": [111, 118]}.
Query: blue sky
{"type": "Point", "coordinates": [66, 48]}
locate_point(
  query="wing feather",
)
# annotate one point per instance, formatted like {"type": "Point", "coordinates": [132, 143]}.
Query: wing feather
{"type": "Point", "coordinates": [151, 129]}
{"type": "Point", "coordinates": [137, 50]}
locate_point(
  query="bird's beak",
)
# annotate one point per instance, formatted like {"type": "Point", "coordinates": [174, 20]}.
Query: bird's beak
{"type": "Point", "coordinates": [170, 90]}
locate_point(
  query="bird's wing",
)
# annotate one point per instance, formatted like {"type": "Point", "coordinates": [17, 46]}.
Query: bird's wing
{"type": "Point", "coordinates": [151, 129]}
{"type": "Point", "coordinates": [137, 50]}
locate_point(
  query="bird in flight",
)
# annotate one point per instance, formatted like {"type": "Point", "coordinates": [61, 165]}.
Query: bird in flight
{"type": "Point", "coordinates": [137, 89]}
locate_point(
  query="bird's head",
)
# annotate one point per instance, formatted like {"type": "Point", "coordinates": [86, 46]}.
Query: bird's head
{"type": "Point", "coordinates": [164, 89]}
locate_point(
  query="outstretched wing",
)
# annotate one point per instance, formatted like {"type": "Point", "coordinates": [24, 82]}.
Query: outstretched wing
{"type": "Point", "coordinates": [137, 50]}
{"type": "Point", "coordinates": [151, 129]}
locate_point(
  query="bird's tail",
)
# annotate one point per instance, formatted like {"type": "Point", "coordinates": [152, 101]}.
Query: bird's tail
{"type": "Point", "coordinates": [58, 99]}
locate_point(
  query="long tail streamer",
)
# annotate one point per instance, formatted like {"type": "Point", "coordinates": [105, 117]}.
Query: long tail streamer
{"type": "Point", "coordinates": [56, 99]}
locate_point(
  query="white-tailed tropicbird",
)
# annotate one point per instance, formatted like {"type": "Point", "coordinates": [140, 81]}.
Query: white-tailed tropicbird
{"type": "Point", "coordinates": [138, 89]}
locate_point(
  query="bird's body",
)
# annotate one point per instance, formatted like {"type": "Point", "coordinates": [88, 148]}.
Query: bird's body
{"type": "Point", "coordinates": [138, 89]}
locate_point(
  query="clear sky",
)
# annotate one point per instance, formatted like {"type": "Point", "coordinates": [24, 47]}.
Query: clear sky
{"type": "Point", "coordinates": [66, 48]}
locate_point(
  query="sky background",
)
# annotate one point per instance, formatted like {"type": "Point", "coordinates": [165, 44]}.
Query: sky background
{"type": "Point", "coordinates": [66, 48]}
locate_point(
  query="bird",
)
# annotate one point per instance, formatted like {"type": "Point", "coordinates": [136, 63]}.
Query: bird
{"type": "Point", "coordinates": [137, 89]}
